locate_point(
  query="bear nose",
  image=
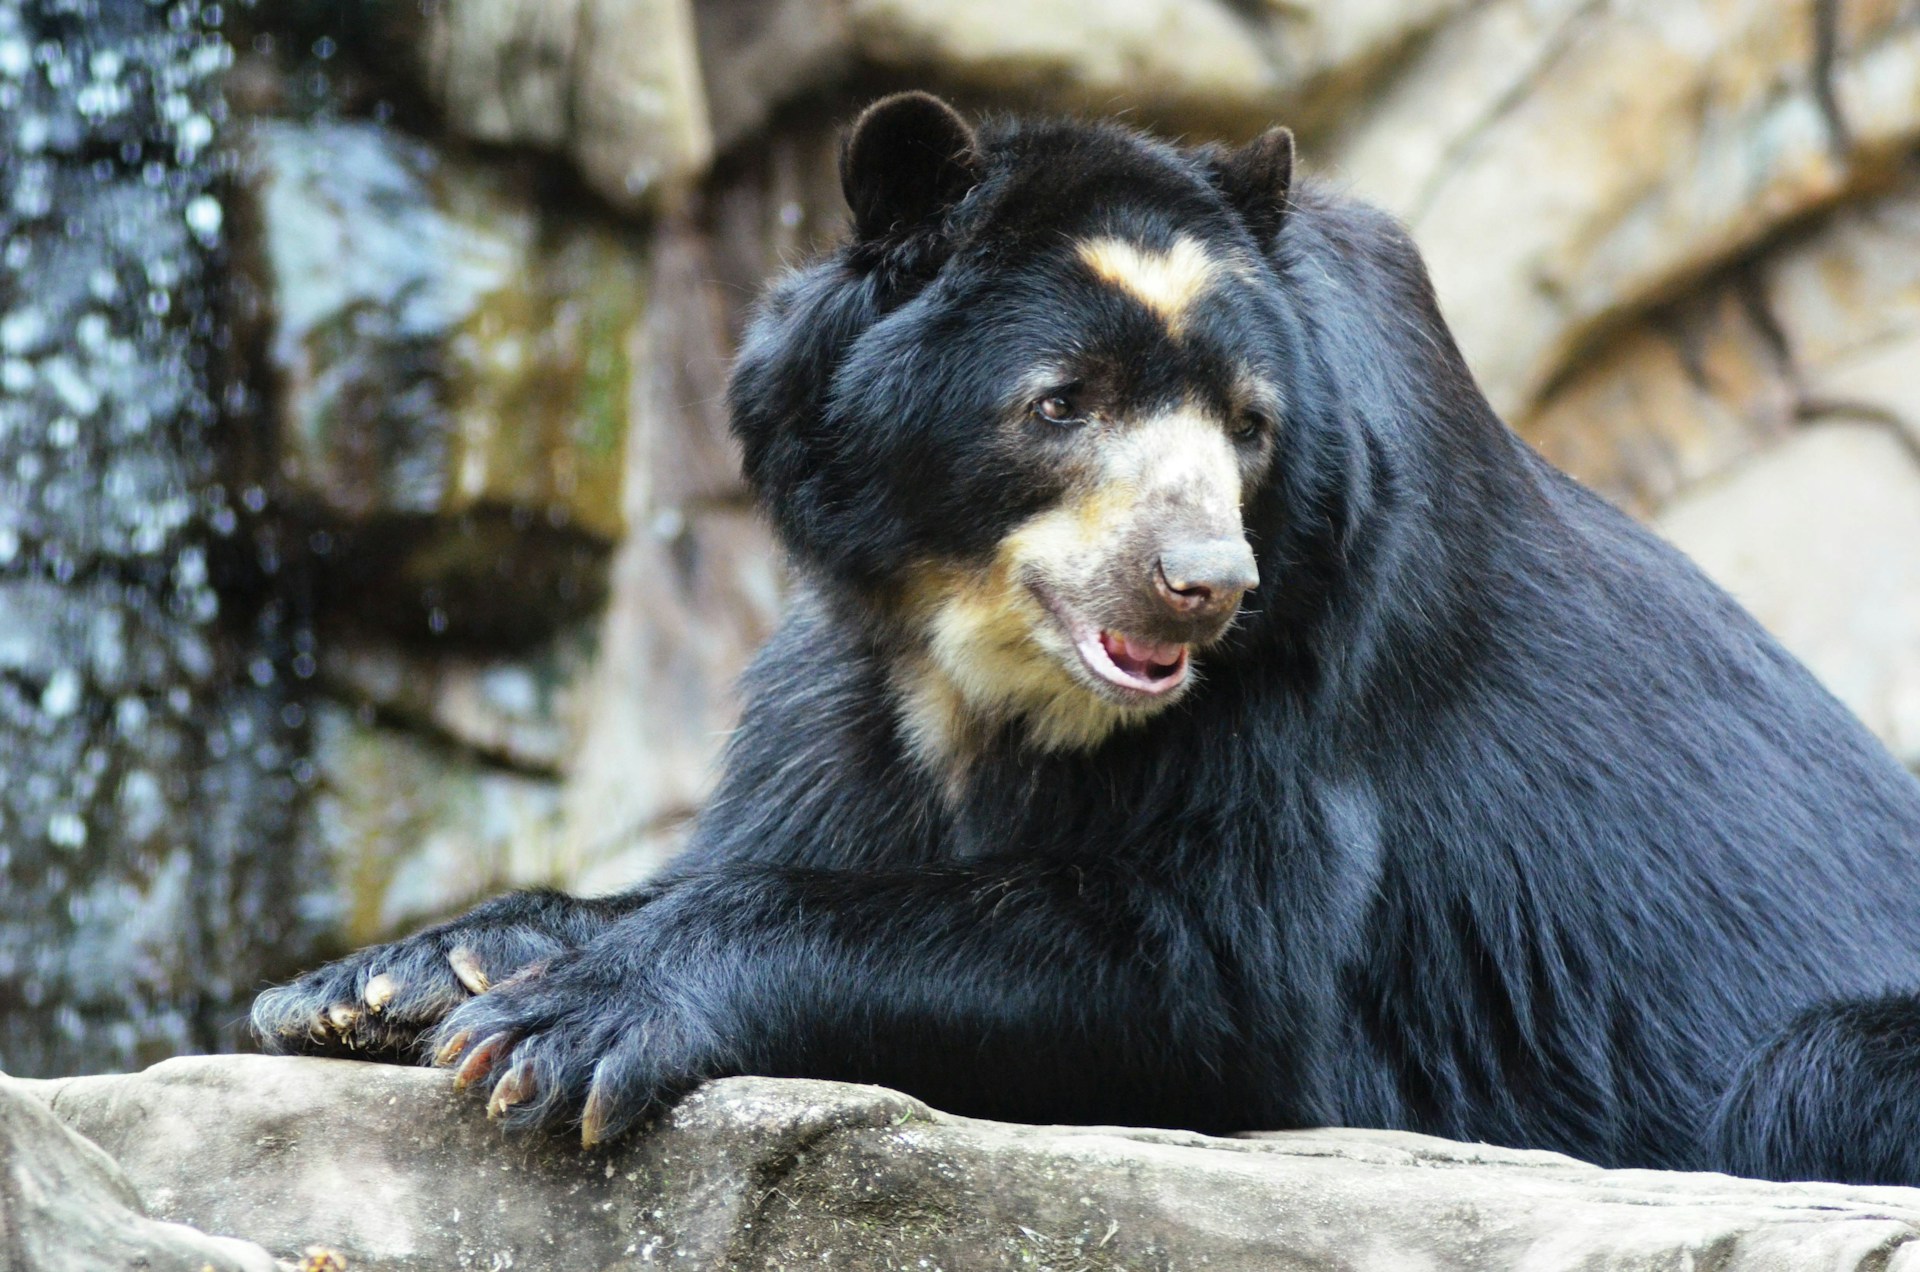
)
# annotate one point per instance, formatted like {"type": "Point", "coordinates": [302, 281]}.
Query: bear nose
{"type": "Point", "coordinates": [1206, 578]}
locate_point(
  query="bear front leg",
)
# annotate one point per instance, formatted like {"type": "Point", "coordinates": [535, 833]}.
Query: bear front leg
{"type": "Point", "coordinates": [377, 1003]}
{"type": "Point", "coordinates": [1033, 991]}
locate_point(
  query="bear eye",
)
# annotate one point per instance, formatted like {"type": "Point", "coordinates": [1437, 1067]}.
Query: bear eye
{"type": "Point", "coordinates": [1249, 425]}
{"type": "Point", "coordinates": [1058, 407]}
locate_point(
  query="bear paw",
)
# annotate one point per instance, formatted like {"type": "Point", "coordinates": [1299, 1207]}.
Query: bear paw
{"type": "Point", "coordinates": [380, 1001]}
{"type": "Point", "coordinates": [583, 1042]}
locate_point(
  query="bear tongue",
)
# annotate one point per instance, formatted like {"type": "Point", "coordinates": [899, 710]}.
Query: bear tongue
{"type": "Point", "coordinates": [1147, 659]}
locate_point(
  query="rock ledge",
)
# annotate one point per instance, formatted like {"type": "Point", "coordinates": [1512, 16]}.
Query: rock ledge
{"type": "Point", "coordinates": [394, 1170]}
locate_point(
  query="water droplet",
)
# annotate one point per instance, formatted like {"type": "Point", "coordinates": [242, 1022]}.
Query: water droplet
{"type": "Point", "coordinates": [76, 393]}
{"type": "Point", "coordinates": [204, 215]}
{"type": "Point", "coordinates": [190, 570]}
{"type": "Point", "coordinates": [143, 806]}
{"type": "Point", "coordinates": [33, 134]}
{"type": "Point", "coordinates": [61, 696]}
{"type": "Point", "coordinates": [196, 132]}
{"type": "Point", "coordinates": [21, 330]}
{"type": "Point", "coordinates": [65, 829]}
{"type": "Point", "coordinates": [33, 190]}
{"type": "Point", "coordinates": [92, 331]}
{"type": "Point", "coordinates": [130, 717]}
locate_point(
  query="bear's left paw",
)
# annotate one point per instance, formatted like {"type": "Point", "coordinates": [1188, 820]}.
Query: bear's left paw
{"type": "Point", "coordinates": [585, 1042]}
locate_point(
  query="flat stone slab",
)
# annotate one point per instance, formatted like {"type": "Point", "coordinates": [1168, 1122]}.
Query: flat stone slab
{"type": "Point", "coordinates": [395, 1171]}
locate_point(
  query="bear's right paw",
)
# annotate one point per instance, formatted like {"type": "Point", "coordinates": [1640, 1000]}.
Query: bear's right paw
{"type": "Point", "coordinates": [379, 1002]}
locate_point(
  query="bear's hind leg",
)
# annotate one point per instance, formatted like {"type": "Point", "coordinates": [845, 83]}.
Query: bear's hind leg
{"type": "Point", "coordinates": [1835, 1095]}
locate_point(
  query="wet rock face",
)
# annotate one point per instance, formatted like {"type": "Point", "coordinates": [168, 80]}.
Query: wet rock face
{"type": "Point", "coordinates": [440, 341]}
{"type": "Point", "coordinates": [450, 372]}
{"type": "Point", "coordinates": [147, 742]}
{"type": "Point", "coordinates": [490, 414]}
{"type": "Point", "coordinates": [764, 1173]}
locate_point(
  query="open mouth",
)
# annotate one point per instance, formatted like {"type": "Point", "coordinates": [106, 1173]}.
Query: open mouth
{"type": "Point", "coordinates": [1138, 666]}
{"type": "Point", "coordinates": [1134, 669]}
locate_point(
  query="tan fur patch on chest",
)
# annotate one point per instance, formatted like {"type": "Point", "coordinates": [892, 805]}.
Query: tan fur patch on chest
{"type": "Point", "coordinates": [1166, 282]}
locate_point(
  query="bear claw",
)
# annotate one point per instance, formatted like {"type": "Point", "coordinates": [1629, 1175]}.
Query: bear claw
{"type": "Point", "coordinates": [379, 992]}
{"type": "Point", "coordinates": [451, 1049]}
{"type": "Point", "coordinates": [479, 1061]}
{"type": "Point", "coordinates": [593, 1117]}
{"type": "Point", "coordinates": [515, 1087]}
{"type": "Point", "coordinates": [466, 966]}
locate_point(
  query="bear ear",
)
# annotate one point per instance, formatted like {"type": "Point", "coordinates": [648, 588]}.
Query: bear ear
{"type": "Point", "coordinates": [908, 158]}
{"type": "Point", "coordinates": [1256, 179]}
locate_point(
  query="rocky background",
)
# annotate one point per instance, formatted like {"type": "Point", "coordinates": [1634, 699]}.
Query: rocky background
{"type": "Point", "coordinates": [369, 536]}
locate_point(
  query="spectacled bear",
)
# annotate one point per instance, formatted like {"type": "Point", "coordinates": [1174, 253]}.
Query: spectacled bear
{"type": "Point", "coordinates": [1199, 710]}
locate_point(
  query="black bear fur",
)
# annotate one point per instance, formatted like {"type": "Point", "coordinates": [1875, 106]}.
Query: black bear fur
{"type": "Point", "coordinates": [1491, 817]}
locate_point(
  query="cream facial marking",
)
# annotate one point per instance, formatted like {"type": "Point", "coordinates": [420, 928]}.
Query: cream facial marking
{"type": "Point", "coordinates": [1165, 282]}
{"type": "Point", "coordinates": [1182, 457]}
{"type": "Point", "coordinates": [1010, 640]}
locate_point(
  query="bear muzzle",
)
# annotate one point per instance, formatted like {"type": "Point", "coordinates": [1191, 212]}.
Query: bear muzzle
{"type": "Point", "coordinates": [1138, 641]}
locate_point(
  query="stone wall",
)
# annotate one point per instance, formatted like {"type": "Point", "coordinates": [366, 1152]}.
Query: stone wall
{"type": "Point", "coordinates": [488, 258]}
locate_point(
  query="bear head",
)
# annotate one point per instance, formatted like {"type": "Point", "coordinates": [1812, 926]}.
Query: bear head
{"type": "Point", "coordinates": [1020, 420]}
